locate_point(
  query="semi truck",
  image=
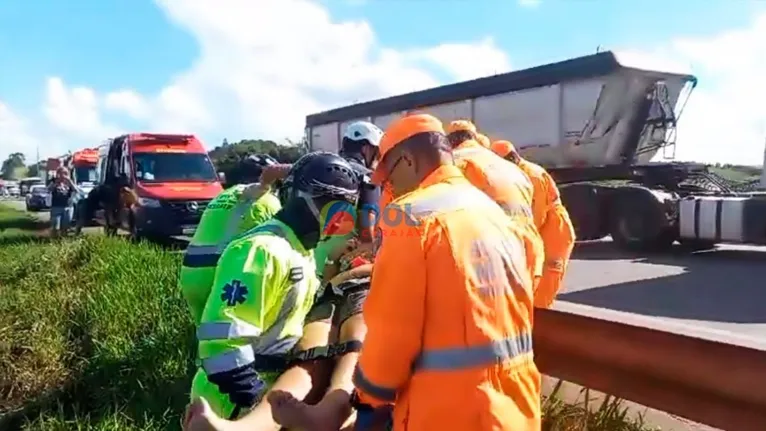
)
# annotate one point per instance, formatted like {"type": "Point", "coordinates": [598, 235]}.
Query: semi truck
{"type": "Point", "coordinates": [595, 124]}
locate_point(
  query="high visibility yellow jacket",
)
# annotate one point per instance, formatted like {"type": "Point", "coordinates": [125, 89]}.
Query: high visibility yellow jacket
{"type": "Point", "coordinates": [263, 290]}
{"type": "Point", "coordinates": [225, 217]}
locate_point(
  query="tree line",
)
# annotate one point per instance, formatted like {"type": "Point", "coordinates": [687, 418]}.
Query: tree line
{"type": "Point", "coordinates": [226, 158]}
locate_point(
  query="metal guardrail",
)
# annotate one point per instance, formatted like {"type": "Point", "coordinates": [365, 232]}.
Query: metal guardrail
{"type": "Point", "coordinates": [710, 377]}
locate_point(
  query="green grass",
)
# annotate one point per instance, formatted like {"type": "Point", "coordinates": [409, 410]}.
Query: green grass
{"type": "Point", "coordinates": [737, 174]}
{"type": "Point", "coordinates": [94, 335]}
{"type": "Point", "coordinates": [17, 226]}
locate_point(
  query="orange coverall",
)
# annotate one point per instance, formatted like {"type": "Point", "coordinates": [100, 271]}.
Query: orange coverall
{"type": "Point", "coordinates": [552, 221]}
{"type": "Point", "coordinates": [449, 315]}
{"type": "Point", "coordinates": [504, 182]}
{"type": "Point", "coordinates": [555, 227]}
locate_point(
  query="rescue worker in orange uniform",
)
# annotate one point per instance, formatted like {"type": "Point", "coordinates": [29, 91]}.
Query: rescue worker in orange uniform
{"type": "Point", "coordinates": [552, 221]}
{"type": "Point", "coordinates": [499, 179]}
{"type": "Point", "coordinates": [449, 312]}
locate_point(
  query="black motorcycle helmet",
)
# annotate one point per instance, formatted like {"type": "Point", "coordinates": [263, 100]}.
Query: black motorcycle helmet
{"type": "Point", "coordinates": [318, 179]}
{"type": "Point", "coordinates": [249, 169]}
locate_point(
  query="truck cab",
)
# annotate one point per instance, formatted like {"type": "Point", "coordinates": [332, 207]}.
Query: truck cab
{"type": "Point", "coordinates": [83, 169]}
{"type": "Point", "coordinates": [153, 185]}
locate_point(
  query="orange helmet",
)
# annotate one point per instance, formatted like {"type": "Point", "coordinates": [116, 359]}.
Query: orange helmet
{"type": "Point", "coordinates": [503, 148]}
{"type": "Point", "coordinates": [461, 126]}
{"type": "Point", "coordinates": [483, 140]}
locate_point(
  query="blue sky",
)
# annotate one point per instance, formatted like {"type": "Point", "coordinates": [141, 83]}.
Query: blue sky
{"type": "Point", "coordinates": [144, 47]}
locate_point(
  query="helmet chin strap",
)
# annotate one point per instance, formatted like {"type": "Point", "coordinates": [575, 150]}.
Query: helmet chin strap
{"type": "Point", "coordinates": [310, 203]}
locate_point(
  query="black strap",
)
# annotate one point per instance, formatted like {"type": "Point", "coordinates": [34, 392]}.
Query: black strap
{"type": "Point", "coordinates": [326, 352]}
{"type": "Point", "coordinates": [270, 362]}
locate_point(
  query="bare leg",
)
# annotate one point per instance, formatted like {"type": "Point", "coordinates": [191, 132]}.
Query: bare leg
{"type": "Point", "coordinates": [334, 410]}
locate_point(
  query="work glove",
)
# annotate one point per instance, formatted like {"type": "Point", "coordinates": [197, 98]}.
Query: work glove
{"type": "Point", "coordinates": [243, 385]}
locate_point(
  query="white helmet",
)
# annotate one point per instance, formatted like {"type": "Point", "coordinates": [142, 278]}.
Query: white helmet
{"type": "Point", "coordinates": [363, 130]}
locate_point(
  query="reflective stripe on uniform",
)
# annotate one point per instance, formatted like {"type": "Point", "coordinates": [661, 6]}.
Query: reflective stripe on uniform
{"type": "Point", "coordinates": [555, 264]}
{"type": "Point", "coordinates": [267, 343]}
{"type": "Point", "coordinates": [271, 342]}
{"type": "Point", "coordinates": [204, 256]}
{"type": "Point", "coordinates": [227, 330]}
{"type": "Point", "coordinates": [466, 357]}
{"type": "Point", "coordinates": [230, 360]}
{"type": "Point", "coordinates": [382, 393]}
{"type": "Point", "coordinates": [448, 201]}
{"type": "Point", "coordinates": [201, 256]}
{"type": "Point", "coordinates": [501, 175]}
{"type": "Point", "coordinates": [458, 358]}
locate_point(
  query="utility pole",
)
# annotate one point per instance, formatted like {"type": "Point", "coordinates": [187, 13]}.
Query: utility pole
{"type": "Point", "coordinates": [763, 168]}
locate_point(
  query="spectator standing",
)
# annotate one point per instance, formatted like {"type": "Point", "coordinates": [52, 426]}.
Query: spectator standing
{"type": "Point", "coordinates": [63, 190]}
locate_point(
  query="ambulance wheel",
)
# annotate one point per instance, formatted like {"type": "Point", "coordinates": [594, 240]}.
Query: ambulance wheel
{"type": "Point", "coordinates": [134, 234]}
{"type": "Point", "coordinates": [109, 228]}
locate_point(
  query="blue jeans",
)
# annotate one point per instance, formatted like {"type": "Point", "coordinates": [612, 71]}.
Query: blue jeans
{"type": "Point", "coordinates": [61, 218]}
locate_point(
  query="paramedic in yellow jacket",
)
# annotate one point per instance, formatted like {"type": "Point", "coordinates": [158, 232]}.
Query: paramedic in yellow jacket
{"type": "Point", "coordinates": [552, 221]}
{"type": "Point", "coordinates": [231, 213]}
{"type": "Point", "coordinates": [262, 294]}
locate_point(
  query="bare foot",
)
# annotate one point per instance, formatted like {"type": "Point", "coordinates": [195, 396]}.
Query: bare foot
{"type": "Point", "coordinates": [294, 414]}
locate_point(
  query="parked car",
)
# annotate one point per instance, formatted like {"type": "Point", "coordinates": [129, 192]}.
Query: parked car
{"type": "Point", "coordinates": [38, 198]}
{"type": "Point", "coordinates": [12, 190]}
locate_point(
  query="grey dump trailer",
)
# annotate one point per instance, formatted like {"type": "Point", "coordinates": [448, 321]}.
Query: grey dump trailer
{"type": "Point", "coordinates": [595, 124]}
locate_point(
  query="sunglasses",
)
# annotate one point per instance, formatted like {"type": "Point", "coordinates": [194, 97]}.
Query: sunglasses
{"type": "Point", "coordinates": [390, 169]}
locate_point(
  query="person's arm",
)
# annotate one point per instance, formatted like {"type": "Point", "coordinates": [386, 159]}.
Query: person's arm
{"type": "Point", "coordinates": [358, 272]}
{"type": "Point", "coordinates": [558, 238]}
{"type": "Point", "coordinates": [261, 210]}
{"type": "Point", "coordinates": [302, 379]}
{"type": "Point", "coordinates": [248, 286]}
{"type": "Point", "coordinates": [273, 173]}
{"type": "Point", "coordinates": [367, 211]}
{"type": "Point", "coordinates": [394, 313]}
{"type": "Point", "coordinates": [332, 266]}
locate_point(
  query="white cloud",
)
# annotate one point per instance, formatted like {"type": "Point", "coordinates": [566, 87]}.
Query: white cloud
{"type": "Point", "coordinates": [75, 110]}
{"type": "Point", "coordinates": [467, 61]}
{"type": "Point", "coordinates": [263, 65]}
{"type": "Point", "coordinates": [257, 76]}
{"type": "Point", "coordinates": [127, 101]}
{"type": "Point", "coordinates": [15, 134]}
{"type": "Point", "coordinates": [529, 3]}
{"type": "Point", "coordinates": [725, 119]}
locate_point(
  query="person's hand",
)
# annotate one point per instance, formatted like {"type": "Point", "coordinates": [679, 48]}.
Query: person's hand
{"type": "Point", "coordinates": [272, 173]}
{"type": "Point", "coordinates": [343, 249]}
{"type": "Point", "coordinates": [351, 274]}
{"type": "Point", "coordinates": [361, 249]}
{"type": "Point", "coordinates": [200, 417]}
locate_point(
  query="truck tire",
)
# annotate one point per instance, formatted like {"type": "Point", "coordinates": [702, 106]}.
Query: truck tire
{"type": "Point", "coordinates": [638, 221]}
{"type": "Point", "coordinates": [584, 203]}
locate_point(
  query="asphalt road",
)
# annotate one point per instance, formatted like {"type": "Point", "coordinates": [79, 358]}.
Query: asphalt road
{"type": "Point", "coordinates": [724, 289]}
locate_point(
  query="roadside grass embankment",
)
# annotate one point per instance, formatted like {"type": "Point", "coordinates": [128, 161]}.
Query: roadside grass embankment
{"type": "Point", "coordinates": [94, 335]}
{"type": "Point", "coordinates": [17, 226]}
